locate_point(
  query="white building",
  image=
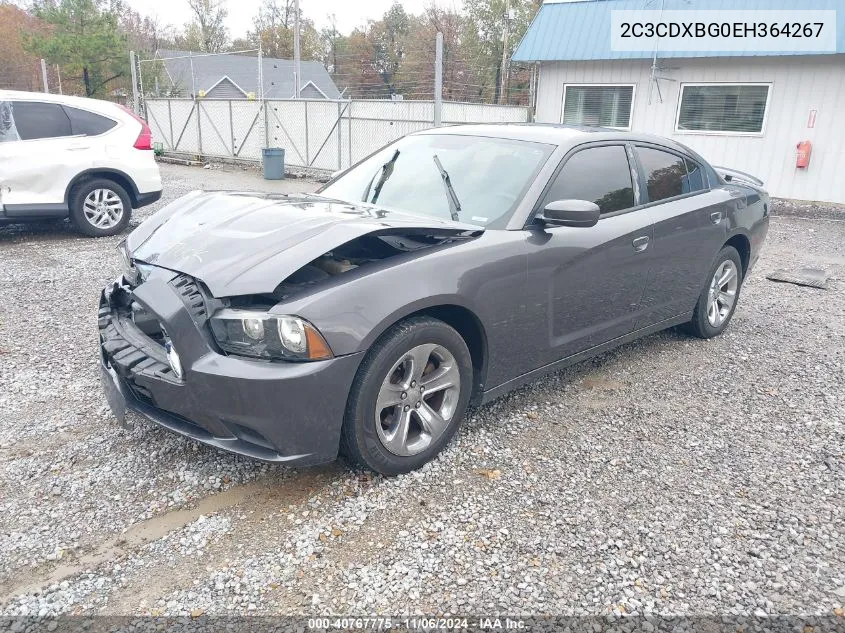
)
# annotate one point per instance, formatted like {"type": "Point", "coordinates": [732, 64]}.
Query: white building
{"type": "Point", "coordinates": [746, 111]}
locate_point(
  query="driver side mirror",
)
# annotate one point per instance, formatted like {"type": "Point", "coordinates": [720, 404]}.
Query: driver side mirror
{"type": "Point", "coordinates": [579, 213]}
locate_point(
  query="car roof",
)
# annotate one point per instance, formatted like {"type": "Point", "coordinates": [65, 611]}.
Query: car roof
{"type": "Point", "coordinates": [553, 134]}
{"type": "Point", "coordinates": [95, 105]}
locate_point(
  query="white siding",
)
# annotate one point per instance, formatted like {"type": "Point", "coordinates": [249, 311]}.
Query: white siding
{"type": "Point", "coordinates": [799, 84]}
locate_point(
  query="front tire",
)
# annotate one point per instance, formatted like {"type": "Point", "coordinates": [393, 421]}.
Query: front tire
{"type": "Point", "coordinates": [408, 398]}
{"type": "Point", "coordinates": [717, 303]}
{"type": "Point", "coordinates": [100, 208]}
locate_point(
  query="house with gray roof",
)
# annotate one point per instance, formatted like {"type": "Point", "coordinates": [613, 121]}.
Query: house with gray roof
{"type": "Point", "coordinates": [219, 76]}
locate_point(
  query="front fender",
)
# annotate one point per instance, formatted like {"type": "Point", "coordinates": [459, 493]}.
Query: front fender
{"type": "Point", "coordinates": [486, 277]}
{"type": "Point", "coordinates": [351, 314]}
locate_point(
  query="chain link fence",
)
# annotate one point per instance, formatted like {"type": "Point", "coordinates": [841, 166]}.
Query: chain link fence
{"type": "Point", "coordinates": [316, 134]}
{"type": "Point", "coordinates": [29, 76]}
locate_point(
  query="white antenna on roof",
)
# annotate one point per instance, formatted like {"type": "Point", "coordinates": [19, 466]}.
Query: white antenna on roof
{"type": "Point", "coordinates": [656, 67]}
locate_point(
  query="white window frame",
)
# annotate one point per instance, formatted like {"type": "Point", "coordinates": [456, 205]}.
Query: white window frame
{"type": "Point", "coordinates": [633, 86]}
{"type": "Point", "coordinates": [759, 134]}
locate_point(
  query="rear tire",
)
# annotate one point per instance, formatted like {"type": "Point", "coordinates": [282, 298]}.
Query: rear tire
{"type": "Point", "coordinates": [100, 208]}
{"type": "Point", "coordinates": [408, 398]}
{"type": "Point", "coordinates": [717, 302]}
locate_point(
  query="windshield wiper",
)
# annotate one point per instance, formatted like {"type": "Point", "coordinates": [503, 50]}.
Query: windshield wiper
{"type": "Point", "coordinates": [454, 203]}
{"type": "Point", "coordinates": [386, 172]}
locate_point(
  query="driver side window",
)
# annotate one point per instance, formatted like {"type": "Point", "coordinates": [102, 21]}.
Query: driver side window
{"type": "Point", "coordinates": [597, 174]}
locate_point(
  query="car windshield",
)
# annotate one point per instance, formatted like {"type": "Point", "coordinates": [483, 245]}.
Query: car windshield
{"type": "Point", "coordinates": [474, 179]}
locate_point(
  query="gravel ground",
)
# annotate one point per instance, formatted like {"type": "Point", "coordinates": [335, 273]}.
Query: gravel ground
{"type": "Point", "coordinates": [670, 476]}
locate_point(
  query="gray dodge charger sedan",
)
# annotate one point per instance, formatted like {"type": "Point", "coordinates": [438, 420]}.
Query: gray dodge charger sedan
{"type": "Point", "coordinates": [442, 271]}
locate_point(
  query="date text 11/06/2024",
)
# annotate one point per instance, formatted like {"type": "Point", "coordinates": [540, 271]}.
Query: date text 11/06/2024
{"type": "Point", "coordinates": [413, 623]}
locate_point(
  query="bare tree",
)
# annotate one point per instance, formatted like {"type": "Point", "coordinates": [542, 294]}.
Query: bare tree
{"type": "Point", "coordinates": [273, 30]}
{"type": "Point", "coordinates": [275, 13]}
{"type": "Point", "coordinates": [331, 39]}
{"type": "Point", "coordinates": [209, 18]}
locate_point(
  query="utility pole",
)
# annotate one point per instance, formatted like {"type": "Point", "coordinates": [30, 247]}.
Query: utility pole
{"type": "Point", "coordinates": [504, 70]}
{"type": "Point", "coordinates": [297, 77]}
{"type": "Point", "coordinates": [44, 75]}
{"type": "Point", "coordinates": [133, 64]}
{"type": "Point", "coordinates": [438, 80]}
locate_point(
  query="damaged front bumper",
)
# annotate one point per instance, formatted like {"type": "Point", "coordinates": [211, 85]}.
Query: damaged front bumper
{"type": "Point", "coordinates": [274, 411]}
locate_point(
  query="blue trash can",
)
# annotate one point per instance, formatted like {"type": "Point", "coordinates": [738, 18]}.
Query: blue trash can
{"type": "Point", "coordinates": [274, 163]}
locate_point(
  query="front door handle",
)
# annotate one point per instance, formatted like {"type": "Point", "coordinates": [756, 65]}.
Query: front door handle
{"type": "Point", "coordinates": [716, 217]}
{"type": "Point", "coordinates": [640, 243]}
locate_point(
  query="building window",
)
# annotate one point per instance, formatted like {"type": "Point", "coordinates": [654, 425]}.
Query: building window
{"type": "Point", "coordinates": [607, 106]}
{"type": "Point", "coordinates": [723, 108]}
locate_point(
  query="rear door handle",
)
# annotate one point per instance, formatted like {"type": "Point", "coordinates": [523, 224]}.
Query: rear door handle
{"type": "Point", "coordinates": [716, 217]}
{"type": "Point", "coordinates": [640, 243]}
{"type": "Point", "coordinates": [78, 147]}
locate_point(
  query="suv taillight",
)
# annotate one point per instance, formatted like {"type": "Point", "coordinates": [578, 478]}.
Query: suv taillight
{"type": "Point", "coordinates": [145, 138]}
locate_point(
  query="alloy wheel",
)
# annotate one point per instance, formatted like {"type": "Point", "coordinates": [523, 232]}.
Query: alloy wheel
{"type": "Point", "coordinates": [103, 208]}
{"type": "Point", "coordinates": [722, 296]}
{"type": "Point", "coordinates": [417, 399]}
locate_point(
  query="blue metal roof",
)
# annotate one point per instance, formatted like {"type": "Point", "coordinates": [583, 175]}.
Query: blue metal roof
{"type": "Point", "coordinates": [580, 29]}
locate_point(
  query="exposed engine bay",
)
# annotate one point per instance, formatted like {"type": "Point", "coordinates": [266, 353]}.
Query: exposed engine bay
{"type": "Point", "coordinates": [357, 253]}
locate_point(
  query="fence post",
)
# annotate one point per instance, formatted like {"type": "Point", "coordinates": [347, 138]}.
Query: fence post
{"type": "Point", "coordinates": [133, 65]}
{"type": "Point", "coordinates": [199, 125]}
{"type": "Point", "coordinates": [193, 77]}
{"type": "Point", "coordinates": [44, 74]}
{"type": "Point", "coordinates": [307, 155]}
{"type": "Point", "coordinates": [532, 93]}
{"type": "Point", "coordinates": [263, 106]}
{"type": "Point", "coordinates": [170, 122]}
{"type": "Point", "coordinates": [231, 128]}
{"type": "Point", "coordinates": [438, 80]}
{"type": "Point", "coordinates": [339, 138]}
{"type": "Point", "coordinates": [349, 118]}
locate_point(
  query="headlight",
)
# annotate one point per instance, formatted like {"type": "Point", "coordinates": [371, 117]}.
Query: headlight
{"type": "Point", "coordinates": [264, 335]}
{"type": "Point", "coordinates": [130, 271]}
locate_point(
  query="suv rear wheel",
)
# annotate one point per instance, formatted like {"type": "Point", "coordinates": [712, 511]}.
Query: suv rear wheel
{"type": "Point", "coordinates": [100, 208]}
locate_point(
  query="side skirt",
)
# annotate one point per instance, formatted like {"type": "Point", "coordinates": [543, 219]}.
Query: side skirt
{"type": "Point", "coordinates": [563, 363]}
{"type": "Point", "coordinates": [22, 212]}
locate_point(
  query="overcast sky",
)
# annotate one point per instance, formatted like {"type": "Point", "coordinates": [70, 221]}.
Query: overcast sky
{"type": "Point", "coordinates": [349, 13]}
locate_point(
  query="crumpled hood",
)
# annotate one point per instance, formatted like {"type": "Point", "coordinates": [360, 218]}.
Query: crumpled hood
{"type": "Point", "coordinates": [247, 243]}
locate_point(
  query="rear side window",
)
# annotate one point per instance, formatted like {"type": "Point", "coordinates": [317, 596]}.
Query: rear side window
{"type": "Point", "coordinates": [695, 177]}
{"type": "Point", "coordinates": [87, 123]}
{"type": "Point", "coordinates": [599, 174]}
{"type": "Point", "coordinates": [665, 173]}
{"type": "Point", "coordinates": [36, 120]}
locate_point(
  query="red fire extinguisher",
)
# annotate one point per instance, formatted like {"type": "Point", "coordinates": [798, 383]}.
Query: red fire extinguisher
{"type": "Point", "coordinates": [805, 148]}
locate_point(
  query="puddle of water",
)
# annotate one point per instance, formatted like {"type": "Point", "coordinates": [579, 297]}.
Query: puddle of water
{"type": "Point", "coordinates": [292, 489]}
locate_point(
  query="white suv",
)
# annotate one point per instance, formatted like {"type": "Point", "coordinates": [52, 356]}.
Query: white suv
{"type": "Point", "coordinates": [70, 156]}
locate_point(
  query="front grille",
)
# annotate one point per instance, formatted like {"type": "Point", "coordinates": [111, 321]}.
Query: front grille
{"type": "Point", "coordinates": [192, 296]}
